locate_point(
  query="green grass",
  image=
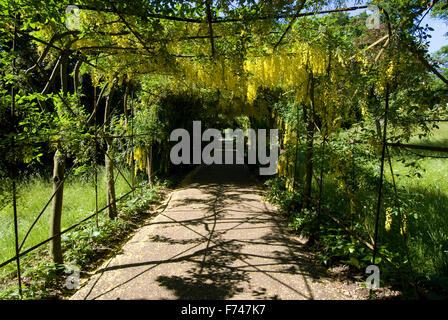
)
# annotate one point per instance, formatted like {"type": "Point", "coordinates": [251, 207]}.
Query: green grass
{"type": "Point", "coordinates": [439, 137]}
{"type": "Point", "coordinates": [428, 233]}
{"type": "Point", "coordinates": [33, 194]}
{"type": "Point", "coordinates": [423, 198]}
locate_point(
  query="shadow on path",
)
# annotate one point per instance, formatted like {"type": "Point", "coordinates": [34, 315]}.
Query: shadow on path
{"type": "Point", "coordinates": [213, 241]}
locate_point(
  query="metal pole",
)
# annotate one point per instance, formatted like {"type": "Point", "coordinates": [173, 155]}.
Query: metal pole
{"type": "Point", "coordinates": [380, 189]}
{"type": "Point", "coordinates": [132, 145]}
{"type": "Point", "coordinates": [297, 150]}
{"type": "Point", "coordinates": [14, 197]}
{"type": "Point", "coordinates": [321, 182]}
{"type": "Point", "coordinates": [400, 214]}
{"type": "Point", "coordinates": [62, 232]}
{"type": "Point", "coordinates": [95, 158]}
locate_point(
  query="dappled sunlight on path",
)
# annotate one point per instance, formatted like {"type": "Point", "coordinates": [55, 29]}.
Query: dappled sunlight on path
{"type": "Point", "coordinates": [216, 239]}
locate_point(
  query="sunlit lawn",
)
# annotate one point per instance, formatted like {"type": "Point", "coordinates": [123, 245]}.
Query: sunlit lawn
{"type": "Point", "coordinates": [33, 194]}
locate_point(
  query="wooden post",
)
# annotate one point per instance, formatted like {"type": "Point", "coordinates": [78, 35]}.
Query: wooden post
{"type": "Point", "coordinates": [59, 160]}
{"type": "Point", "coordinates": [56, 209]}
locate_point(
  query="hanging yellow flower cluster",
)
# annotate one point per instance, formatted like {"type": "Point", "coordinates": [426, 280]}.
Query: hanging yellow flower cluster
{"type": "Point", "coordinates": [286, 165]}
{"type": "Point", "coordinates": [340, 165]}
{"type": "Point", "coordinates": [364, 64]}
{"type": "Point", "coordinates": [139, 158]}
{"type": "Point", "coordinates": [287, 68]}
{"type": "Point", "coordinates": [286, 170]}
{"type": "Point", "coordinates": [351, 196]}
{"type": "Point", "coordinates": [240, 81]}
{"type": "Point", "coordinates": [388, 222]}
{"type": "Point", "coordinates": [404, 223]}
{"type": "Point", "coordinates": [386, 76]}
{"type": "Point", "coordinates": [218, 74]}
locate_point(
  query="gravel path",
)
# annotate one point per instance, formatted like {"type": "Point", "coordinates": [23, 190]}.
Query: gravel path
{"type": "Point", "coordinates": [215, 241]}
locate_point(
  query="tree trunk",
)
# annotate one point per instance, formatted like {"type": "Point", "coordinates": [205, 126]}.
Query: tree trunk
{"type": "Point", "coordinates": [296, 152]}
{"type": "Point", "coordinates": [310, 123]}
{"type": "Point", "coordinates": [309, 120]}
{"type": "Point", "coordinates": [110, 181]}
{"type": "Point", "coordinates": [56, 209]}
{"type": "Point", "coordinates": [110, 184]}
{"type": "Point", "coordinates": [76, 76]}
{"type": "Point", "coordinates": [125, 103]}
{"type": "Point", "coordinates": [167, 160]}
{"type": "Point", "coordinates": [149, 166]}
{"type": "Point", "coordinates": [308, 165]}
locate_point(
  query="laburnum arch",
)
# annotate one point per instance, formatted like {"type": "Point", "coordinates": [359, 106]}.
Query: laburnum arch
{"type": "Point", "coordinates": [234, 49]}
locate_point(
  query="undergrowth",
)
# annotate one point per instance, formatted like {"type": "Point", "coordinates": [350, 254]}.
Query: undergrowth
{"type": "Point", "coordinates": [84, 248]}
{"type": "Point", "coordinates": [335, 246]}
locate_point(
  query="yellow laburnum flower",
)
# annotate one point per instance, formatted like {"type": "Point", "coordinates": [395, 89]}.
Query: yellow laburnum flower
{"type": "Point", "coordinates": [388, 223]}
{"type": "Point", "coordinates": [404, 222]}
{"type": "Point", "coordinates": [140, 159]}
{"type": "Point", "coordinates": [390, 71]}
{"type": "Point", "coordinates": [363, 111]}
{"type": "Point", "coordinates": [251, 92]}
{"type": "Point", "coordinates": [352, 205]}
